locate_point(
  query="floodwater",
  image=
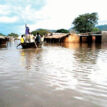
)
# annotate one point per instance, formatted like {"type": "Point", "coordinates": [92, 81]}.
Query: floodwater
{"type": "Point", "coordinates": [67, 75]}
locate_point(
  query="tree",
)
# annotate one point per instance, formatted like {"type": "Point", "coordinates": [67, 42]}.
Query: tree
{"type": "Point", "coordinates": [62, 31]}
{"type": "Point", "coordinates": [86, 22]}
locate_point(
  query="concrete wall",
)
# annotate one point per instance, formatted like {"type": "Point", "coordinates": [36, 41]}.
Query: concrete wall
{"type": "Point", "coordinates": [104, 36]}
{"type": "Point", "coordinates": [72, 38]}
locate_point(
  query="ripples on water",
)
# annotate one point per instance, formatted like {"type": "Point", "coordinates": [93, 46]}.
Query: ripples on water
{"type": "Point", "coordinates": [67, 75]}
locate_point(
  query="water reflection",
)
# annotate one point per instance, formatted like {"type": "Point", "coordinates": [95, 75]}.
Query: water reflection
{"type": "Point", "coordinates": [28, 57]}
{"type": "Point", "coordinates": [84, 52]}
{"type": "Point", "coordinates": [71, 45]}
{"type": "Point", "coordinates": [3, 46]}
{"type": "Point", "coordinates": [74, 73]}
{"type": "Point", "coordinates": [11, 43]}
{"type": "Point", "coordinates": [81, 45]}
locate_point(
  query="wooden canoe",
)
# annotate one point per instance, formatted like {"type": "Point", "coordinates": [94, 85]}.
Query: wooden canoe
{"type": "Point", "coordinates": [28, 45]}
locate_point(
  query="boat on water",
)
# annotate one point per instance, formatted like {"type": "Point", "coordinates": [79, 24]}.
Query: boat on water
{"type": "Point", "coordinates": [30, 41]}
{"type": "Point", "coordinates": [30, 45]}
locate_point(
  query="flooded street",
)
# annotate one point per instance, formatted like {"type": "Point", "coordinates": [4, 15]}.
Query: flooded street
{"type": "Point", "coordinates": [67, 75]}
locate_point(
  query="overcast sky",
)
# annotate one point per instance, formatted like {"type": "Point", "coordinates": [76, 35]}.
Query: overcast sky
{"type": "Point", "coordinates": [48, 14]}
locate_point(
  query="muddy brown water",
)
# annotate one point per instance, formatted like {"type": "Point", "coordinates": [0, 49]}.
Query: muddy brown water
{"type": "Point", "coordinates": [66, 75]}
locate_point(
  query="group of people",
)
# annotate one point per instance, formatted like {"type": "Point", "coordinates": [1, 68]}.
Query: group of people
{"type": "Point", "coordinates": [30, 38]}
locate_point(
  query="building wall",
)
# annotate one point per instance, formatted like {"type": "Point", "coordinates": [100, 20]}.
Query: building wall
{"type": "Point", "coordinates": [72, 38]}
{"type": "Point", "coordinates": [104, 36]}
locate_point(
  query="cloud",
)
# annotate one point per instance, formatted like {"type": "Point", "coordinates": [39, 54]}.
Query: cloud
{"type": "Point", "coordinates": [17, 13]}
{"type": "Point", "coordinates": [25, 9]}
{"type": "Point", "coordinates": [49, 14]}
{"type": "Point", "coordinates": [61, 13]}
{"type": "Point", "coordinates": [4, 10]}
{"type": "Point", "coordinates": [5, 19]}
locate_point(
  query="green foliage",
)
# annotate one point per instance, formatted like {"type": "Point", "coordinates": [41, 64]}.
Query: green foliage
{"type": "Point", "coordinates": [13, 35]}
{"type": "Point", "coordinates": [95, 29]}
{"type": "Point", "coordinates": [40, 31]}
{"type": "Point", "coordinates": [62, 31]}
{"type": "Point", "coordinates": [86, 22]}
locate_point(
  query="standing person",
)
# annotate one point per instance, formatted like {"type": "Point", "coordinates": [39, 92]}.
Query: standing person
{"type": "Point", "coordinates": [31, 38]}
{"type": "Point", "coordinates": [27, 31]}
{"type": "Point", "coordinates": [38, 39]}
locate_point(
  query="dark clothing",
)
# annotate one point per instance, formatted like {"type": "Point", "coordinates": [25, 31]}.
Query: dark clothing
{"type": "Point", "coordinates": [38, 39]}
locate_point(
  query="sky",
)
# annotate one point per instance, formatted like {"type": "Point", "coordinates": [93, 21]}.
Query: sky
{"type": "Point", "coordinates": [47, 14]}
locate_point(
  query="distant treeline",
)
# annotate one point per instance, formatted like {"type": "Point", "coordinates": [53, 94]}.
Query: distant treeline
{"type": "Point", "coordinates": [46, 31]}
{"type": "Point", "coordinates": [2, 34]}
{"type": "Point", "coordinates": [102, 27]}
{"type": "Point", "coordinates": [40, 31]}
{"type": "Point", "coordinates": [11, 34]}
